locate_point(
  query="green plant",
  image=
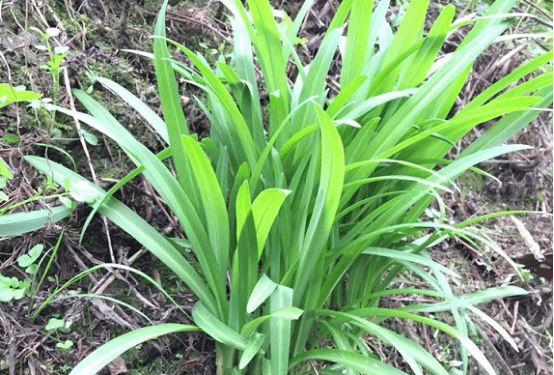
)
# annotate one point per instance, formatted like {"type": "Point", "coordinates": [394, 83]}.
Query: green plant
{"type": "Point", "coordinates": [56, 325]}
{"type": "Point", "coordinates": [300, 225]}
{"type": "Point", "coordinates": [10, 138]}
{"type": "Point", "coordinates": [27, 261]}
{"type": "Point", "coordinates": [9, 95]}
{"type": "Point", "coordinates": [55, 57]}
{"type": "Point", "coordinates": [24, 222]}
{"type": "Point", "coordinates": [11, 287]}
{"type": "Point", "coordinates": [53, 66]}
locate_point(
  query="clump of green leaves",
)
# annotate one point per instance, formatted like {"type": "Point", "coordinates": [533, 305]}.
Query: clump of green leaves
{"type": "Point", "coordinates": [56, 325]}
{"type": "Point", "coordinates": [11, 287]}
{"type": "Point", "coordinates": [53, 66]}
{"type": "Point", "coordinates": [28, 261]}
{"type": "Point", "coordinates": [56, 54]}
{"type": "Point", "coordinates": [301, 224]}
{"type": "Point", "coordinates": [26, 221]}
{"type": "Point", "coordinates": [9, 95]}
{"type": "Point", "coordinates": [10, 138]}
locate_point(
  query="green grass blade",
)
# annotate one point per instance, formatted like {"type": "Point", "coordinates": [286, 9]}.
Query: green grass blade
{"type": "Point", "coordinates": [495, 293]}
{"type": "Point", "coordinates": [106, 353]}
{"type": "Point", "coordinates": [265, 208]}
{"type": "Point", "coordinates": [425, 57]}
{"type": "Point", "coordinates": [357, 149]}
{"type": "Point", "coordinates": [132, 224]}
{"type": "Point", "coordinates": [509, 125]}
{"type": "Point", "coordinates": [213, 203]}
{"type": "Point", "coordinates": [358, 362]}
{"type": "Point", "coordinates": [243, 206]}
{"type": "Point", "coordinates": [412, 146]}
{"type": "Point", "coordinates": [25, 222]}
{"type": "Point", "coordinates": [220, 332]}
{"type": "Point", "coordinates": [342, 343]}
{"type": "Point", "coordinates": [380, 80]}
{"type": "Point", "coordinates": [280, 331]}
{"type": "Point", "coordinates": [244, 63]}
{"type": "Point", "coordinates": [237, 136]}
{"type": "Point", "coordinates": [528, 87]}
{"type": "Point", "coordinates": [330, 187]}
{"type": "Point", "coordinates": [356, 41]}
{"type": "Point", "coordinates": [252, 348]}
{"type": "Point", "coordinates": [184, 205]}
{"type": "Point", "coordinates": [242, 174]}
{"type": "Point", "coordinates": [149, 115]}
{"type": "Point", "coordinates": [409, 32]}
{"type": "Point", "coordinates": [300, 17]}
{"type": "Point", "coordinates": [507, 80]}
{"type": "Point", "coordinates": [408, 257]}
{"type": "Point", "coordinates": [473, 298]}
{"type": "Point", "coordinates": [289, 313]}
{"type": "Point", "coordinates": [169, 97]}
{"type": "Point", "coordinates": [135, 172]}
{"type": "Point", "coordinates": [268, 46]}
{"type": "Point", "coordinates": [375, 101]}
{"type": "Point", "coordinates": [315, 82]}
{"type": "Point", "coordinates": [244, 267]}
{"type": "Point", "coordinates": [471, 347]}
{"type": "Point", "coordinates": [377, 35]}
{"type": "Point", "coordinates": [412, 353]}
{"type": "Point", "coordinates": [269, 147]}
{"type": "Point", "coordinates": [222, 172]}
{"type": "Point", "coordinates": [263, 289]}
{"type": "Point", "coordinates": [167, 85]}
{"type": "Point", "coordinates": [247, 259]}
{"type": "Point", "coordinates": [272, 60]}
{"type": "Point", "coordinates": [414, 107]}
{"type": "Point", "coordinates": [340, 16]}
{"type": "Point", "coordinates": [342, 98]}
{"type": "Point", "coordinates": [356, 184]}
{"type": "Point", "coordinates": [452, 171]}
{"type": "Point", "coordinates": [294, 140]}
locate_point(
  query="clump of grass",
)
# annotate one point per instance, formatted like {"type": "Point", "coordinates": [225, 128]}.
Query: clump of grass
{"type": "Point", "coordinates": [309, 218]}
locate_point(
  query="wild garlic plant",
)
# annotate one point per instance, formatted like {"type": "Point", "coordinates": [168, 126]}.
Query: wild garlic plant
{"type": "Point", "coordinates": [301, 216]}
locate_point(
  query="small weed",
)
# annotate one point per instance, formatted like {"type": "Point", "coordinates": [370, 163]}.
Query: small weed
{"type": "Point", "coordinates": [58, 325]}
{"type": "Point", "coordinates": [53, 66]}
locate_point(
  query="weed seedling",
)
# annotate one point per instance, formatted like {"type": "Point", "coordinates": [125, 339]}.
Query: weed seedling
{"type": "Point", "coordinates": [54, 64]}
{"type": "Point", "coordinates": [57, 325]}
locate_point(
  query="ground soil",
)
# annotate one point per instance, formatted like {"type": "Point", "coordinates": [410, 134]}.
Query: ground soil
{"type": "Point", "coordinates": [97, 31]}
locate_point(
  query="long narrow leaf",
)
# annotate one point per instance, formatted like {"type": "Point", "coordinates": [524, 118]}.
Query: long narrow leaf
{"type": "Point", "coordinates": [132, 224]}
{"type": "Point", "coordinates": [25, 222]}
{"type": "Point", "coordinates": [106, 353]}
